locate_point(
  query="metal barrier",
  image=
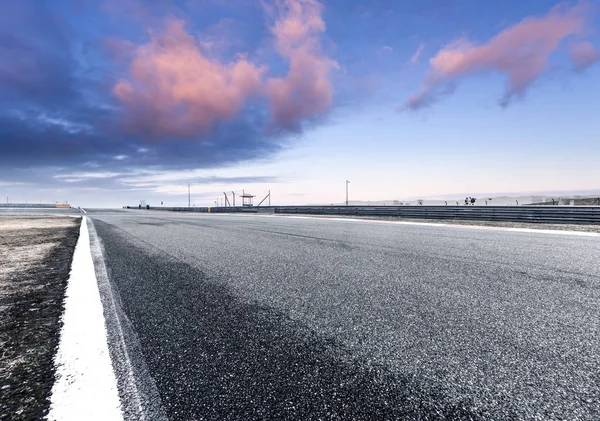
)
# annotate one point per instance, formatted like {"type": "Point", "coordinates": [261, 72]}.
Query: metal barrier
{"type": "Point", "coordinates": [548, 215]}
{"type": "Point", "coordinates": [536, 214]}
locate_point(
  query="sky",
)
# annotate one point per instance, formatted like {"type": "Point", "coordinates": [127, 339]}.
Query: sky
{"type": "Point", "coordinates": [106, 103]}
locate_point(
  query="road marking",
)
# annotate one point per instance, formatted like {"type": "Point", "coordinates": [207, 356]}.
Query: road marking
{"type": "Point", "coordinates": [432, 224]}
{"type": "Point", "coordinates": [85, 386]}
{"type": "Point", "coordinates": [143, 400]}
{"type": "Point", "coordinates": [560, 232]}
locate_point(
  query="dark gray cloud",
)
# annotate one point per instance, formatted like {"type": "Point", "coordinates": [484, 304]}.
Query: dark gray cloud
{"type": "Point", "coordinates": [35, 138]}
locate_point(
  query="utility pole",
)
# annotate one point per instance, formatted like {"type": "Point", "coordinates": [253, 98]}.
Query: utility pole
{"type": "Point", "coordinates": [189, 197]}
{"type": "Point", "coordinates": [269, 198]}
{"type": "Point", "coordinates": [347, 182]}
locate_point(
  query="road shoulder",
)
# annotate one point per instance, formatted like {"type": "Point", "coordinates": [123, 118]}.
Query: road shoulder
{"type": "Point", "coordinates": [35, 260]}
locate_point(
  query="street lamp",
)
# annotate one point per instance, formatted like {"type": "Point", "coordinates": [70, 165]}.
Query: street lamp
{"type": "Point", "coordinates": [189, 199]}
{"type": "Point", "coordinates": [347, 182]}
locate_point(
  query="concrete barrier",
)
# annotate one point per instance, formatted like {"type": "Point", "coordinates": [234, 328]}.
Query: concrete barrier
{"type": "Point", "coordinates": [35, 205]}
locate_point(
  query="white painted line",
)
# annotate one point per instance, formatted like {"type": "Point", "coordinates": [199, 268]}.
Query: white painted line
{"type": "Point", "coordinates": [133, 406]}
{"type": "Point", "coordinates": [560, 232]}
{"type": "Point", "coordinates": [432, 224]}
{"type": "Point", "coordinates": [85, 387]}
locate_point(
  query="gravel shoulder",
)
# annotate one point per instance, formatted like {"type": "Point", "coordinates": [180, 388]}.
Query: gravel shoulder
{"type": "Point", "coordinates": [35, 260]}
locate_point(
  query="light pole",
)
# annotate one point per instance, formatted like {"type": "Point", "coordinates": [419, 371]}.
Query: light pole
{"type": "Point", "coordinates": [189, 197]}
{"type": "Point", "coordinates": [347, 182]}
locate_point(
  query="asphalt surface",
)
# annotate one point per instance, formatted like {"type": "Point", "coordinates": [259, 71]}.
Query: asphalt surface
{"type": "Point", "coordinates": [250, 317]}
{"type": "Point", "coordinates": [35, 259]}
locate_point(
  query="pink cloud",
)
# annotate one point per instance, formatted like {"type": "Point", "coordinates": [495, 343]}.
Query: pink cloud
{"type": "Point", "coordinates": [175, 86]}
{"type": "Point", "coordinates": [305, 91]}
{"type": "Point", "coordinates": [583, 54]}
{"type": "Point", "coordinates": [175, 90]}
{"type": "Point", "coordinates": [521, 53]}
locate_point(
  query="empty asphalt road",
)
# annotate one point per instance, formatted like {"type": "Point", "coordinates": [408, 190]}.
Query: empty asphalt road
{"type": "Point", "coordinates": [254, 318]}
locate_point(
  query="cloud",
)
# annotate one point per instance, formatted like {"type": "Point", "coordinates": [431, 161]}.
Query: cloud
{"type": "Point", "coordinates": [86, 101]}
{"type": "Point", "coordinates": [147, 179]}
{"type": "Point", "coordinates": [583, 55]}
{"type": "Point", "coordinates": [86, 175]}
{"type": "Point", "coordinates": [176, 91]}
{"type": "Point", "coordinates": [387, 48]}
{"type": "Point", "coordinates": [415, 57]}
{"type": "Point", "coordinates": [125, 187]}
{"type": "Point", "coordinates": [305, 91]}
{"type": "Point", "coordinates": [223, 38]}
{"type": "Point", "coordinates": [176, 88]}
{"type": "Point", "coordinates": [28, 141]}
{"type": "Point", "coordinates": [521, 53]}
{"type": "Point", "coordinates": [427, 97]}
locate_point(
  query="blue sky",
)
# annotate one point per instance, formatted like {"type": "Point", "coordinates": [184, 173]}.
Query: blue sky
{"type": "Point", "coordinates": [107, 103]}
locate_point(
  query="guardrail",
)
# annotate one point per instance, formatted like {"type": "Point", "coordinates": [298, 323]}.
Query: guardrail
{"type": "Point", "coordinates": [548, 215]}
{"type": "Point", "coordinates": [526, 213]}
